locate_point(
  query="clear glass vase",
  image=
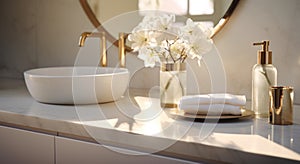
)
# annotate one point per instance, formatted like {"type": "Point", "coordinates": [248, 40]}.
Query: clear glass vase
{"type": "Point", "coordinates": [172, 84]}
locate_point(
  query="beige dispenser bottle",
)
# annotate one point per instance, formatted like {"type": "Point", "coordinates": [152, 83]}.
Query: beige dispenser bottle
{"type": "Point", "coordinates": [264, 75]}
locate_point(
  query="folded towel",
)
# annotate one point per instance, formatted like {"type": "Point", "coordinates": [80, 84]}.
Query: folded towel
{"type": "Point", "coordinates": [214, 109]}
{"type": "Point", "coordinates": [219, 98]}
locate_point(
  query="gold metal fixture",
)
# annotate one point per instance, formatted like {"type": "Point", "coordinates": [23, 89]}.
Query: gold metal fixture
{"type": "Point", "coordinates": [265, 44]}
{"type": "Point", "coordinates": [97, 24]}
{"type": "Point", "coordinates": [103, 52]}
{"type": "Point", "coordinates": [225, 18]}
{"type": "Point", "coordinates": [122, 49]}
{"type": "Point", "coordinates": [84, 35]}
{"type": "Point", "coordinates": [165, 67]}
{"type": "Point", "coordinates": [264, 55]}
{"type": "Point", "coordinates": [281, 105]}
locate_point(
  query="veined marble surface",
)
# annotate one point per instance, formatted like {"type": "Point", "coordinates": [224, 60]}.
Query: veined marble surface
{"type": "Point", "coordinates": [137, 122]}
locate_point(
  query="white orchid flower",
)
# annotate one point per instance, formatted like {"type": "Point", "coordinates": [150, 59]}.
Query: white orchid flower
{"type": "Point", "coordinates": [198, 41]}
{"type": "Point", "coordinates": [164, 22]}
{"type": "Point", "coordinates": [140, 39]}
{"type": "Point", "coordinates": [199, 46]}
{"type": "Point", "coordinates": [157, 39]}
{"type": "Point", "coordinates": [207, 30]}
{"type": "Point", "coordinates": [189, 27]}
{"type": "Point", "coordinates": [192, 29]}
{"type": "Point", "coordinates": [149, 56]}
{"type": "Point", "coordinates": [178, 48]}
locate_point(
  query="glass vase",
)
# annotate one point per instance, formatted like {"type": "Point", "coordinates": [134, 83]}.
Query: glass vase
{"type": "Point", "coordinates": [172, 84]}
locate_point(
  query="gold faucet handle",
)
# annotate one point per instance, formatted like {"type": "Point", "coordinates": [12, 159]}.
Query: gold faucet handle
{"type": "Point", "coordinates": [122, 50]}
{"type": "Point", "coordinates": [103, 61]}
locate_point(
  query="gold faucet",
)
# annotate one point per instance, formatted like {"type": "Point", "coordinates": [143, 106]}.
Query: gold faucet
{"type": "Point", "coordinates": [122, 50]}
{"type": "Point", "coordinates": [101, 35]}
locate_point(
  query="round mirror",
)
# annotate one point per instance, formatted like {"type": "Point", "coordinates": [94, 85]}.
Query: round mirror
{"type": "Point", "coordinates": [214, 13]}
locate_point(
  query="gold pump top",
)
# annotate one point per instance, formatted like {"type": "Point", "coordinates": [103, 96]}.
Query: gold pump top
{"type": "Point", "coordinates": [264, 56]}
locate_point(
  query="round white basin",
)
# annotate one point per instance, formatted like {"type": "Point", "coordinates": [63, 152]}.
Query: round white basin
{"type": "Point", "coordinates": [77, 85]}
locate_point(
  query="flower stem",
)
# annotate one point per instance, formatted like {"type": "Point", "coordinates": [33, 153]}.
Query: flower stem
{"type": "Point", "coordinates": [166, 87]}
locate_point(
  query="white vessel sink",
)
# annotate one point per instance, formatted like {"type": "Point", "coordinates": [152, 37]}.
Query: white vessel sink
{"type": "Point", "coordinates": [77, 85]}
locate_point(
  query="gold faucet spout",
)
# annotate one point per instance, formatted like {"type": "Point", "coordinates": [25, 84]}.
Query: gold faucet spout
{"type": "Point", "coordinates": [103, 55]}
{"type": "Point", "coordinates": [82, 38]}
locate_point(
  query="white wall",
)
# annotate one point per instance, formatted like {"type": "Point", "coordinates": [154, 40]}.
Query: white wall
{"type": "Point", "coordinates": [256, 20]}
{"type": "Point", "coordinates": [40, 33]}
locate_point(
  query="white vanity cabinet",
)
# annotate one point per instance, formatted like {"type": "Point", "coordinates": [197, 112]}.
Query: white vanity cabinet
{"type": "Point", "coordinates": [70, 151]}
{"type": "Point", "coordinates": [22, 146]}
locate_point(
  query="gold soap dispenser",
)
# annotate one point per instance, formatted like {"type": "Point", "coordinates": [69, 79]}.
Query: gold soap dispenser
{"type": "Point", "coordinates": [264, 75]}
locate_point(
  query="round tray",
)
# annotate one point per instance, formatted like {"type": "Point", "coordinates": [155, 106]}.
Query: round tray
{"type": "Point", "coordinates": [179, 113]}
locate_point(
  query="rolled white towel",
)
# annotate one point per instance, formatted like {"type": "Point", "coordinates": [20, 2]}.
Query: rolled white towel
{"type": "Point", "coordinates": [214, 109]}
{"type": "Point", "coordinates": [216, 98]}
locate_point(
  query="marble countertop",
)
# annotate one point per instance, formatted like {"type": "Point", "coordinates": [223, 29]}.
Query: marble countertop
{"type": "Point", "coordinates": [137, 122]}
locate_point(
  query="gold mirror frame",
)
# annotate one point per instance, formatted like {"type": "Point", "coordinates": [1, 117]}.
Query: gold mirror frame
{"type": "Point", "coordinates": [92, 17]}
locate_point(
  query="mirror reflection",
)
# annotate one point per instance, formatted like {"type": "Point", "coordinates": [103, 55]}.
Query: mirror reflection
{"type": "Point", "coordinates": [207, 11]}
